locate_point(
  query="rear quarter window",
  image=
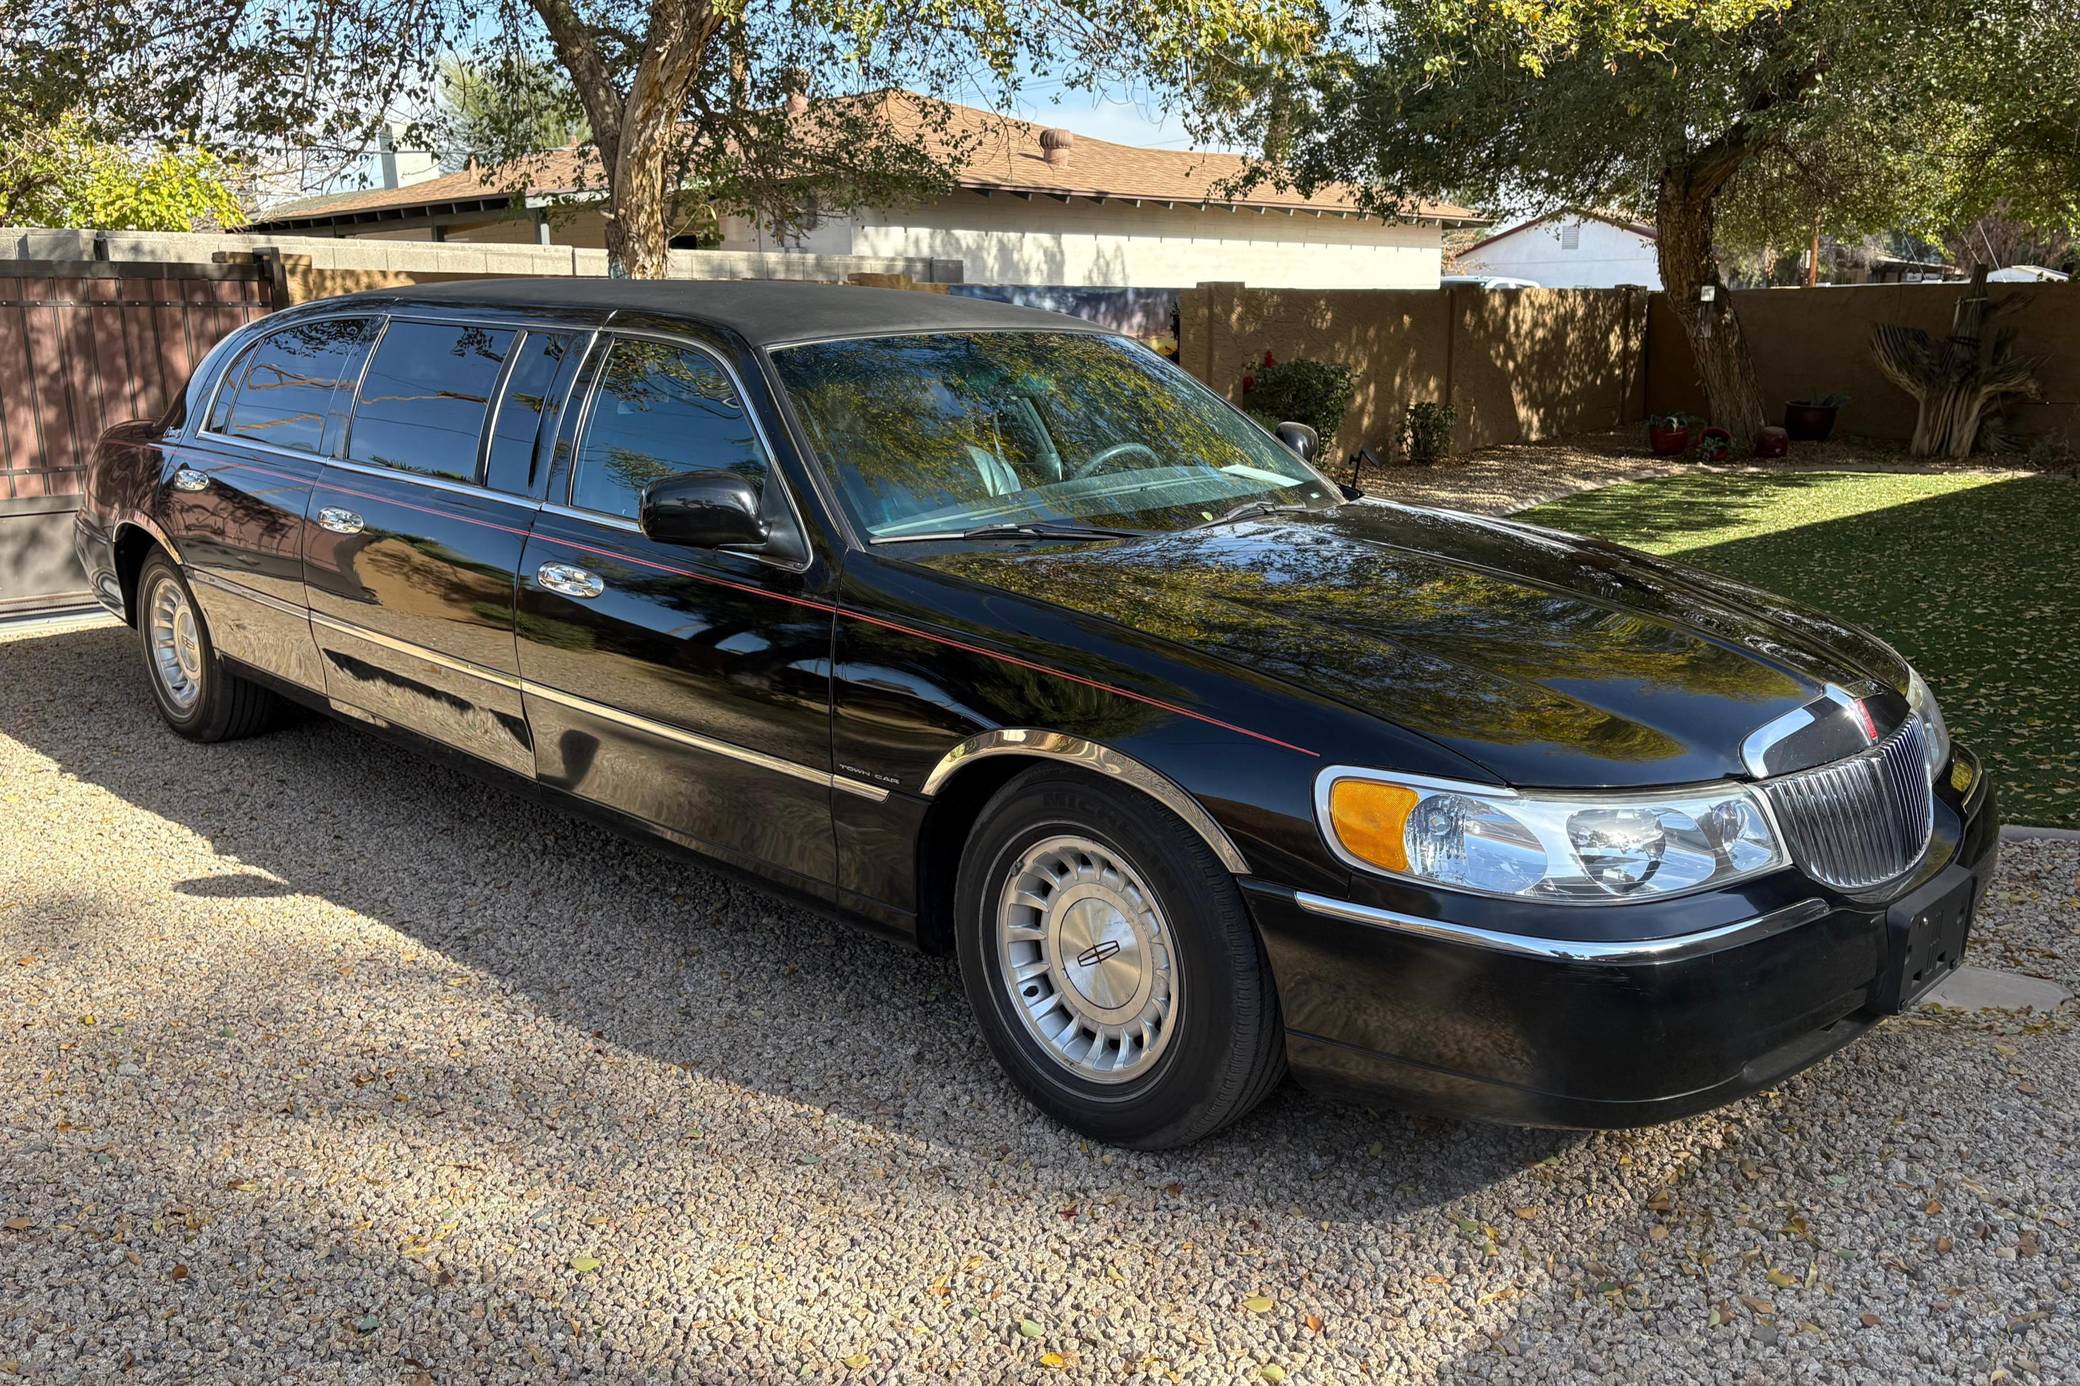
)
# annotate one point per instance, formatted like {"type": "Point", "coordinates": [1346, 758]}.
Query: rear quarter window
{"type": "Point", "coordinates": [282, 391]}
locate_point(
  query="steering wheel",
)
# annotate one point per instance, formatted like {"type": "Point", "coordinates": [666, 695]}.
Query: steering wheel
{"type": "Point", "coordinates": [1100, 460]}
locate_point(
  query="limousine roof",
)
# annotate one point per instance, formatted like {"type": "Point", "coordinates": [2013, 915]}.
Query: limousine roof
{"type": "Point", "coordinates": [763, 312]}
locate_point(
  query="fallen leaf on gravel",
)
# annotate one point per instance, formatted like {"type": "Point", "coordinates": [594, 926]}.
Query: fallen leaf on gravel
{"type": "Point", "coordinates": [1052, 1359]}
{"type": "Point", "coordinates": [1257, 1304]}
{"type": "Point", "coordinates": [1173, 1189]}
{"type": "Point", "coordinates": [1272, 1372]}
{"type": "Point", "coordinates": [1781, 1279]}
{"type": "Point", "coordinates": [1313, 1322]}
{"type": "Point", "coordinates": [1660, 1203]}
{"type": "Point", "coordinates": [856, 1360]}
{"type": "Point", "coordinates": [1934, 1207]}
{"type": "Point", "coordinates": [242, 1185]}
{"type": "Point", "coordinates": [1028, 1329]}
{"type": "Point", "coordinates": [1756, 1305]}
{"type": "Point", "coordinates": [582, 1264]}
{"type": "Point", "coordinates": [367, 1323]}
{"type": "Point", "coordinates": [1871, 1320]}
{"type": "Point", "coordinates": [1068, 1212]}
{"type": "Point", "coordinates": [178, 1273]}
{"type": "Point", "coordinates": [1715, 1318]}
{"type": "Point", "coordinates": [2034, 1316]}
{"type": "Point", "coordinates": [17, 1224]}
{"type": "Point", "coordinates": [1527, 1213]}
{"type": "Point", "coordinates": [86, 1020]}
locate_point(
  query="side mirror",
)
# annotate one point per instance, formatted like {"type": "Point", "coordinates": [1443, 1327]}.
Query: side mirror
{"type": "Point", "coordinates": [702, 510]}
{"type": "Point", "coordinates": [1300, 438]}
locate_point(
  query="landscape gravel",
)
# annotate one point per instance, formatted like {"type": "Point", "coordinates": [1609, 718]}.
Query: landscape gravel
{"type": "Point", "coordinates": [322, 1063]}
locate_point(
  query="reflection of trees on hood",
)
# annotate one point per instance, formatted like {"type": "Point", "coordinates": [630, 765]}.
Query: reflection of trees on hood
{"type": "Point", "coordinates": [1436, 645]}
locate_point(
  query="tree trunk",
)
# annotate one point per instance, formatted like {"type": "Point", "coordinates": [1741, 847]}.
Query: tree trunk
{"type": "Point", "coordinates": [1688, 266]}
{"type": "Point", "coordinates": [637, 244]}
{"type": "Point", "coordinates": [1813, 256]}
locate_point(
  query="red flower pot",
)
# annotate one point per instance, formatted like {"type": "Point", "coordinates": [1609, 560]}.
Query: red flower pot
{"type": "Point", "coordinates": [1667, 442]}
{"type": "Point", "coordinates": [1809, 423]}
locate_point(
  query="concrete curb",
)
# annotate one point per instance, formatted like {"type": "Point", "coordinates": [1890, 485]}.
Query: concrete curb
{"type": "Point", "coordinates": [2023, 832]}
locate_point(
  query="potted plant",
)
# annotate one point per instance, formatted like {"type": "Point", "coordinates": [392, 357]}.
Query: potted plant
{"type": "Point", "coordinates": [1811, 420]}
{"type": "Point", "coordinates": [1669, 434]}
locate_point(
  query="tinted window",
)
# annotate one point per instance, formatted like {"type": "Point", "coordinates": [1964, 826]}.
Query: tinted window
{"type": "Point", "coordinates": [282, 389]}
{"type": "Point", "coordinates": [424, 398]}
{"type": "Point", "coordinates": [520, 409]}
{"type": "Point", "coordinates": [660, 410]}
{"type": "Point", "coordinates": [935, 434]}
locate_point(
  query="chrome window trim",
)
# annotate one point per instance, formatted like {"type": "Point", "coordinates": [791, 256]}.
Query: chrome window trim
{"type": "Point", "coordinates": [609, 334]}
{"type": "Point", "coordinates": [666, 732]}
{"type": "Point", "coordinates": [1674, 948]}
{"type": "Point", "coordinates": [438, 483]}
{"type": "Point", "coordinates": [1074, 750]}
{"type": "Point", "coordinates": [572, 512]}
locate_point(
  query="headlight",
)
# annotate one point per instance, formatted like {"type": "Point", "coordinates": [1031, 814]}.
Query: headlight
{"type": "Point", "coordinates": [1588, 848]}
{"type": "Point", "coordinates": [1933, 732]}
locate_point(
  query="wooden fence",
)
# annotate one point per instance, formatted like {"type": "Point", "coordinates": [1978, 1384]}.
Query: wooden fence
{"type": "Point", "coordinates": [83, 345]}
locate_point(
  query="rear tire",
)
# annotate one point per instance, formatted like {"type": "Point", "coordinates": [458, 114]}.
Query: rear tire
{"type": "Point", "coordinates": [1111, 964]}
{"type": "Point", "coordinates": [195, 690]}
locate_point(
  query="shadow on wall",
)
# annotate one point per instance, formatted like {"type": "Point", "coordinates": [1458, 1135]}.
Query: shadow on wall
{"type": "Point", "coordinates": [1521, 364]}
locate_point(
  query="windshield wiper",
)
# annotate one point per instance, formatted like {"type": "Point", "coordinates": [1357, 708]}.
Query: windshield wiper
{"type": "Point", "coordinates": [1251, 509]}
{"type": "Point", "coordinates": [1006, 529]}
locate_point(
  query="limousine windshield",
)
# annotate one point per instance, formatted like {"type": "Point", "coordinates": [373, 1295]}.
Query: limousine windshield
{"type": "Point", "coordinates": [953, 432]}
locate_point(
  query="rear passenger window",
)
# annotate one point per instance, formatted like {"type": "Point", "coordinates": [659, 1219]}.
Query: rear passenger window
{"type": "Point", "coordinates": [281, 391]}
{"type": "Point", "coordinates": [660, 410]}
{"type": "Point", "coordinates": [424, 397]}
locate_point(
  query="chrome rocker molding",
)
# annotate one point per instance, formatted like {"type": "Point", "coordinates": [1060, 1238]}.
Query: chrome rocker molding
{"type": "Point", "coordinates": [661, 730]}
{"type": "Point", "coordinates": [1650, 950]}
{"type": "Point", "coordinates": [1103, 760]}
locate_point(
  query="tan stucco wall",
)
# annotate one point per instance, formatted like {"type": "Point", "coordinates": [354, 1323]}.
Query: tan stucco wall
{"type": "Point", "coordinates": [1519, 365]}
{"type": "Point", "coordinates": [1811, 342]}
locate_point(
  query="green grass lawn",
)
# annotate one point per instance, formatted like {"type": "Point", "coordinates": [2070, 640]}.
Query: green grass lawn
{"type": "Point", "coordinates": [1974, 578]}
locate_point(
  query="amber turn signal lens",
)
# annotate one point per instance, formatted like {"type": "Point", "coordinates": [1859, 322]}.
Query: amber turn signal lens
{"type": "Point", "coordinates": [1371, 820]}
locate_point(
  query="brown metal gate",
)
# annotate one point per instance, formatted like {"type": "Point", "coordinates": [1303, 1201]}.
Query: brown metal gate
{"type": "Point", "coordinates": [83, 345]}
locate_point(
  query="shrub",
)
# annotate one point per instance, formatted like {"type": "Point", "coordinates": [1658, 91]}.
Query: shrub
{"type": "Point", "coordinates": [1426, 432]}
{"type": "Point", "coordinates": [1316, 393]}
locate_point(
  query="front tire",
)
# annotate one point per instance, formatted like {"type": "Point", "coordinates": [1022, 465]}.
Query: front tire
{"type": "Point", "coordinates": [195, 690]}
{"type": "Point", "coordinates": [1111, 964]}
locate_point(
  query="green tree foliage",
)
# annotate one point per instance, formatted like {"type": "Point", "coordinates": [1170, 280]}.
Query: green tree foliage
{"type": "Point", "coordinates": [1316, 393]}
{"type": "Point", "coordinates": [497, 109]}
{"type": "Point", "coordinates": [63, 177]}
{"type": "Point", "coordinates": [1663, 109]}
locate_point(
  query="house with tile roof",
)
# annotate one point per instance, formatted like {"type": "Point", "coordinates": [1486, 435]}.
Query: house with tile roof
{"type": "Point", "coordinates": [1031, 206]}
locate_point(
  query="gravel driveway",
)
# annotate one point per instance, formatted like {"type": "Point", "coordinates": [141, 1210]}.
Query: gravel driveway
{"type": "Point", "coordinates": [322, 1064]}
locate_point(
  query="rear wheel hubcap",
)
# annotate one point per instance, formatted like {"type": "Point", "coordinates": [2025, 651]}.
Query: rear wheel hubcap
{"type": "Point", "coordinates": [176, 643]}
{"type": "Point", "coordinates": [1087, 958]}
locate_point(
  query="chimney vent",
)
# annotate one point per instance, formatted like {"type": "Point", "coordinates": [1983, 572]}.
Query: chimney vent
{"type": "Point", "coordinates": [1055, 145]}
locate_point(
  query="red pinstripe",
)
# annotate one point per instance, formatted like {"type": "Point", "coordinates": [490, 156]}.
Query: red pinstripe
{"type": "Point", "coordinates": [808, 602]}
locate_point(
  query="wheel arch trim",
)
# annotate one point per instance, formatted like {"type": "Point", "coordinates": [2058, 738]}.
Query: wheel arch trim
{"type": "Point", "coordinates": [1100, 760]}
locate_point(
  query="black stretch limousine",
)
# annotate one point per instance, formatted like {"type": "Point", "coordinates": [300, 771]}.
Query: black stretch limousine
{"type": "Point", "coordinates": [995, 631]}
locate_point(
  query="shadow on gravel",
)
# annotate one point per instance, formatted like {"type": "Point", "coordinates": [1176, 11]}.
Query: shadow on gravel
{"type": "Point", "coordinates": [629, 948]}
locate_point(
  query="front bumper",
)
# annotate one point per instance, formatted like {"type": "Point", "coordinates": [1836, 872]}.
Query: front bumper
{"type": "Point", "coordinates": [1471, 1017]}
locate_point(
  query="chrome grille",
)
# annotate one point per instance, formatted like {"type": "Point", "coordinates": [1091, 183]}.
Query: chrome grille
{"type": "Point", "coordinates": [1861, 821]}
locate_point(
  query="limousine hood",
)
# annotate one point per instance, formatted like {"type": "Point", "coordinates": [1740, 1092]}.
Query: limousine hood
{"type": "Point", "coordinates": [1548, 659]}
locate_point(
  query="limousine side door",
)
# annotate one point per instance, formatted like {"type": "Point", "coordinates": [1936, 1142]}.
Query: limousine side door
{"type": "Point", "coordinates": [416, 533]}
{"type": "Point", "coordinates": [688, 688]}
{"type": "Point", "coordinates": [236, 501]}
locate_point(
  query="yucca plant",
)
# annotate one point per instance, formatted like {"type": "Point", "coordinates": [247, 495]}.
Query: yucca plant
{"type": "Point", "coordinates": [1963, 382]}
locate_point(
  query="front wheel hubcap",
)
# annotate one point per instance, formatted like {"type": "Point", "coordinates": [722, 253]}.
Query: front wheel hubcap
{"type": "Point", "coordinates": [176, 643]}
{"type": "Point", "coordinates": [1087, 957]}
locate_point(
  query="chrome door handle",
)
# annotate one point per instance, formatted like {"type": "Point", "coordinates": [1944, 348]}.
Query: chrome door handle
{"type": "Point", "coordinates": [572, 582]}
{"type": "Point", "coordinates": [188, 479]}
{"type": "Point", "coordinates": [339, 521]}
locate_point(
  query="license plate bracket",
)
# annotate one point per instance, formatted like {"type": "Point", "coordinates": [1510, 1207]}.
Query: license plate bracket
{"type": "Point", "coordinates": [1925, 936]}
